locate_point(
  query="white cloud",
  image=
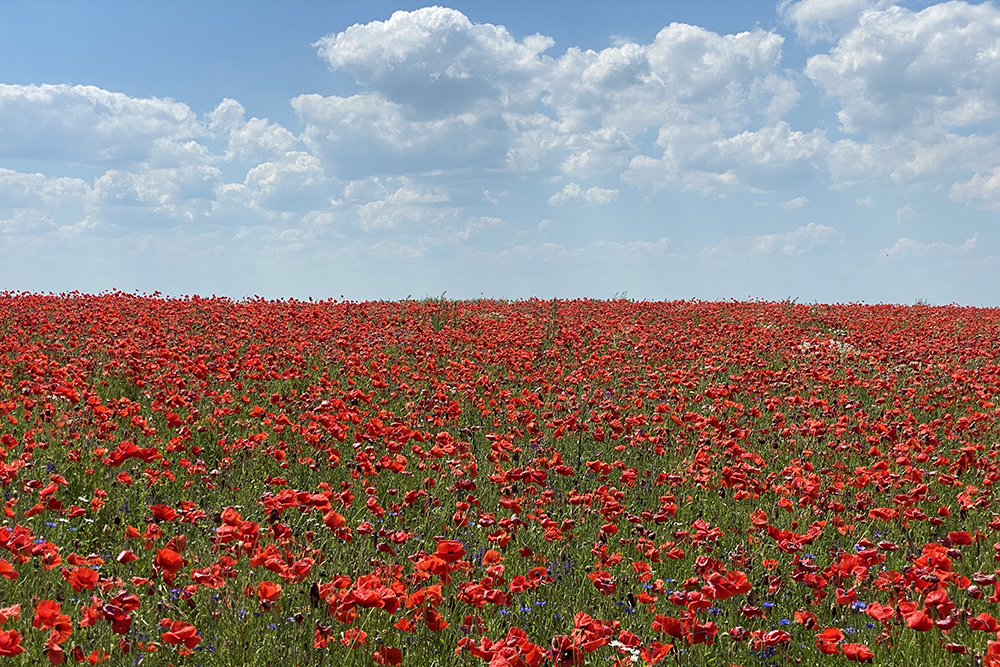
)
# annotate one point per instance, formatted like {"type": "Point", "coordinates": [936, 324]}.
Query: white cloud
{"type": "Point", "coordinates": [906, 248]}
{"type": "Point", "coordinates": [474, 226]}
{"type": "Point", "coordinates": [18, 189]}
{"type": "Point", "coordinates": [982, 190]}
{"type": "Point", "coordinates": [443, 93]}
{"type": "Point", "coordinates": [295, 183]}
{"type": "Point", "coordinates": [368, 134]}
{"type": "Point", "coordinates": [594, 196]}
{"type": "Point", "coordinates": [797, 242]}
{"type": "Point", "coordinates": [25, 220]}
{"type": "Point", "coordinates": [702, 158]}
{"type": "Point", "coordinates": [930, 70]}
{"type": "Point", "coordinates": [85, 225]}
{"type": "Point", "coordinates": [88, 125]}
{"type": "Point", "coordinates": [687, 73]}
{"type": "Point", "coordinates": [825, 19]}
{"type": "Point", "coordinates": [867, 202]}
{"type": "Point", "coordinates": [38, 203]}
{"type": "Point", "coordinates": [410, 205]}
{"type": "Point", "coordinates": [601, 251]}
{"type": "Point", "coordinates": [388, 249]}
{"type": "Point", "coordinates": [254, 139]}
{"type": "Point", "coordinates": [178, 192]}
{"type": "Point", "coordinates": [437, 62]}
{"type": "Point", "coordinates": [897, 158]}
{"type": "Point", "coordinates": [906, 212]}
{"type": "Point", "coordinates": [793, 204]}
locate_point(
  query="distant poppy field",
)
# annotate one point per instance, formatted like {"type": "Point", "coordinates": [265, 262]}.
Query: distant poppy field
{"type": "Point", "coordinates": [198, 481]}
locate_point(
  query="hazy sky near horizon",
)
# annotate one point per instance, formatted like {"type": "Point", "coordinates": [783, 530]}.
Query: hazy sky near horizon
{"type": "Point", "coordinates": [825, 150]}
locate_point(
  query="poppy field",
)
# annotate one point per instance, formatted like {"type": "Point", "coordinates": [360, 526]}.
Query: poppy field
{"type": "Point", "coordinates": [192, 481]}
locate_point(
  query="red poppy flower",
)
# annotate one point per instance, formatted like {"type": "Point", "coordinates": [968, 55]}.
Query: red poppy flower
{"type": "Point", "coordinates": [126, 556]}
{"type": "Point", "coordinates": [81, 578]}
{"type": "Point", "coordinates": [179, 633]}
{"type": "Point", "coordinates": [858, 652]}
{"type": "Point", "coordinates": [703, 633]}
{"type": "Point", "coordinates": [565, 652]}
{"type": "Point", "coordinates": [668, 625]}
{"type": "Point", "coordinates": [775, 637]}
{"type": "Point", "coordinates": [449, 551]}
{"type": "Point", "coordinates": [388, 655]}
{"type": "Point", "coordinates": [7, 570]}
{"type": "Point", "coordinates": [10, 643]}
{"type": "Point", "coordinates": [268, 591]}
{"type": "Point", "coordinates": [655, 652]}
{"type": "Point", "coordinates": [603, 581]}
{"type": "Point", "coordinates": [46, 613]}
{"type": "Point", "coordinates": [919, 621]}
{"type": "Point", "coordinates": [168, 560]}
{"type": "Point", "coordinates": [826, 641]}
{"type": "Point", "coordinates": [8, 613]}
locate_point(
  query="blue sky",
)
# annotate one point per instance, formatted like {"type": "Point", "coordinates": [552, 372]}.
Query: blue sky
{"type": "Point", "coordinates": [825, 150]}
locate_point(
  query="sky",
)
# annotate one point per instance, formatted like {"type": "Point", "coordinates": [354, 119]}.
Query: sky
{"type": "Point", "coordinates": [817, 150]}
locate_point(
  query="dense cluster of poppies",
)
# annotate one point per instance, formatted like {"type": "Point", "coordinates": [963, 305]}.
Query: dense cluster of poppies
{"type": "Point", "coordinates": [513, 484]}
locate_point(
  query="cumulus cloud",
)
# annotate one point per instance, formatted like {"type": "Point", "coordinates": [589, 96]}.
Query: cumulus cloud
{"type": "Point", "coordinates": [25, 220]}
{"type": "Point", "coordinates": [686, 73]}
{"type": "Point", "coordinates": [935, 69]}
{"type": "Point", "coordinates": [474, 226]}
{"type": "Point", "coordinates": [86, 124]}
{"type": "Point", "coordinates": [296, 182]}
{"type": "Point", "coordinates": [368, 134]}
{"type": "Point", "coordinates": [906, 248]}
{"type": "Point", "coordinates": [182, 192]}
{"type": "Point", "coordinates": [594, 196]}
{"type": "Point", "coordinates": [409, 205]}
{"type": "Point", "coordinates": [800, 241]}
{"type": "Point", "coordinates": [600, 251]}
{"type": "Point", "coordinates": [158, 169]}
{"type": "Point", "coordinates": [793, 204]}
{"type": "Point", "coordinates": [904, 213]}
{"type": "Point", "coordinates": [982, 190]}
{"type": "Point", "coordinates": [702, 158]}
{"type": "Point", "coordinates": [254, 139]}
{"type": "Point", "coordinates": [825, 19]}
{"type": "Point", "coordinates": [477, 225]}
{"type": "Point", "coordinates": [435, 61]}
{"type": "Point", "coordinates": [444, 93]}
{"type": "Point", "coordinates": [18, 189]}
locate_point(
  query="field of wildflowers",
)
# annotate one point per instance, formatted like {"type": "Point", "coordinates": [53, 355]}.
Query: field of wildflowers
{"type": "Point", "coordinates": [514, 484]}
